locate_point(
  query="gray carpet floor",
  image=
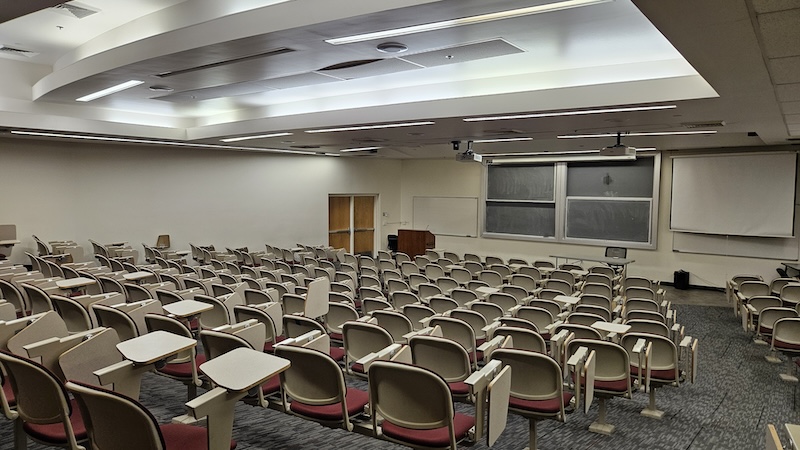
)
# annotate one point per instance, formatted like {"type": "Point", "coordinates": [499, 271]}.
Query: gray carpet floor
{"type": "Point", "coordinates": [736, 395]}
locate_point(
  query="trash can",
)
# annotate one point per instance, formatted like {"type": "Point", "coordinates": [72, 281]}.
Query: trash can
{"type": "Point", "coordinates": [392, 242]}
{"type": "Point", "coordinates": [681, 279]}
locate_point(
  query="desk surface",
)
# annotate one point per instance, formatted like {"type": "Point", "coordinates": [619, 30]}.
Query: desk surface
{"type": "Point", "coordinates": [600, 259]}
{"type": "Point", "coordinates": [566, 299]}
{"type": "Point", "coordinates": [74, 283]}
{"type": "Point", "coordinates": [609, 327]}
{"type": "Point", "coordinates": [243, 368]}
{"type": "Point", "coordinates": [9, 242]}
{"type": "Point", "coordinates": [187, 308]}
{"type": "Point", "coordinates": [154, 346]}
{"type": "Point", "coordinates": [137, 276]}
{"type": "Point", "coordinates": [487, 290]}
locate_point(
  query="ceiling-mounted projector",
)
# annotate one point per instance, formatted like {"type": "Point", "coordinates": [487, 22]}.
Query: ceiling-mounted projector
{"type": "Point", "coordinates": [468, 156]}
{"type": "Point", "coordinates": [619, 149]}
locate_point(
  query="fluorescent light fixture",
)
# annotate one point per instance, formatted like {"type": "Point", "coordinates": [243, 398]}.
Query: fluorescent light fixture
{"type": "Point", "coordinates": [332, 154]}
{"type": "Point", "coordinates": [359, 149]}
{"type": "Point", "coordinates": [261, 136]}
{"type": "Point", "coordinates": [580, 112]}
{"type": "Point", "coordinates": [371, 127]}
{"type": "Point", "coordinates": [561, 158]}
{"type": "Point", "coordinates": [577, 152]}
{"type": "Point", "coordinates": [500, 15]}
{"type": "Point", "coordinates": [109, 91]}
{"type": "Point", "coordinates": [648, 133]}
{"type": "Point", "coordinates": [168, 143]}
{"type": "Point", "coordinates": [491, 141]}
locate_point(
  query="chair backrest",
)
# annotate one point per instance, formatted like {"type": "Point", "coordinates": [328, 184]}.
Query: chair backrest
{"type": "Point", "coordinates": [361, 339]}
{"type": "Point", "coordinates": [313, 378]}
{"type": "Point", "coordinates": [562, 274]}
{"type": "Point", "coordinates": [167, 297]}
{"type": "Point", "coordinates": [595, 300]}
{"type": "Point", "coordinates": [580, 331]}
{"type": "Point", "coordinates": [664, 356]}
{"type": "Point", "coordinates": [544, 264]}
{"type": "Point", "coordinates": [491, 277]}
{"type": "Point", "coordinates": [581, 318]}
{"type": "Point", "coordinates": [75, 316]}
{"type": "Point", "coordinates": [338, 314]}
{"type": "Point", "coordinates": [474, 267]}
{"type": "Point", "coordinates": [524, 281]}
{"type": "Point", "coordinates": [442, 304]}
{"type": "Point", "coordinates": [40, 396]}
{"type": "Point", "coordinates": [530, 271]}
{"type": "Point", "coordinates": [447, 284]}
{"type": "Point", "coordinates": [474, 319]}
{"type": "Point", "coordinates": [461, 274]}
{"type": "Point", "coordinates": [410, 397]}
{"type": "Point", "coordinates": [294, 326]}
{"type": "Point", "coordinates": [552, 307]}
{"type": "Point", "coordinates": [273, 328]}
{"type": "Point", "coordinates": [789, 293]}
{"type": "Point", "coordinates": [11, 294]}
{"type": "Point", "coordinates": [599, 278]}
{"type": "Point", "coordinates": [38, 300]}
{"type": "Point", "coordinates": [111, 418]}
{"type": "Point", "coordinates": [603, 290]}
{"type": "Point", "coordinates": [417, 312]}
{"type": "Point", "coordinates": [526, 366]}
{"type": "Point", "coordinates": [768, 317]}
{"type": "Point", "coordinates": [636, 281]}
{"type": "Point", "coordinates": [95, 352]}
{"type": "Point", "coordinates": [786, 333]}
{"type": "Point", "coordinates": [539, 316]}
{"type": "Point", "coordinates": [751, 288]}
{"type": "Point", "coordinates": [397, 324]}
{"type": "Point", "coordinates": [136, 293]}
{"type": "Point", "coordinates": [403, 298]}
{"type": "Point", "coordinates": [555, 284]}
{"type": "Point", "coordinates": [648, 326]}
{"type": "Point", "coordinates": [523, 338]}
{"type": "Point", "coordinates": [215, 317]}
{"type": "Point", "coordinates": [518, 292]}
{"type": "Point", "coordinates": [760, 302]}
{"type": "Point", "coordinates": [370, 304]}
{"type": "Point", "coordinates": [648, 315]}
{"type": "Point", "coordinates": [605, 270]}
{"type": "Point", "coordinates": [463, 296]}
{"type": "Point", "coordinates": [612, 361]}
{"type": "Point", "coordinates": [217, 343]}
{"type": "Point", "coordinates": [111, 285]}
{"type": "Point", "coordinates": [636, 292]}
{"type": "Point", "coordinates": [433, 271]}
{"type": "Point", "coordinates": [502, 269]}
{"type": "Point", "coordinates": [427, 290]}
{"type": "Point", "coordinates": [120, 321]}
{"type": "Point", "coordinates": [443, 356]}
{"type": "Point", "coordinates": [393, 285]}
{"type": "Point", "coordinates": [503, 300]}
{"type": "Point", "coordinates": [490, 311]}
{"type": "Point", "coordinates": [516, 322]}
{"type": "Point", "coordinates": [459, 331]}
{"type": "Point", "coordinates": [637, 304]}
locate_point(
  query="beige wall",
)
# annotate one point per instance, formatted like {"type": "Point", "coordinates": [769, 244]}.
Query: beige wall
{"type": "Point", "coordinates": [104, 192]}
{"type": "Point", "coordinates": [454, 179]}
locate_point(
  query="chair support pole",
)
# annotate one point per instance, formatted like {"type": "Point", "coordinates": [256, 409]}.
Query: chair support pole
{"type": "Point", "coordinates": [20, 438]}
{"type": "Point", "coordinates": [651, 410]}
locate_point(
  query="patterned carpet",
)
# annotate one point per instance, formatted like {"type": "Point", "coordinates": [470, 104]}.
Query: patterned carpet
{"type": "Point", "coordinates": [737, 394]}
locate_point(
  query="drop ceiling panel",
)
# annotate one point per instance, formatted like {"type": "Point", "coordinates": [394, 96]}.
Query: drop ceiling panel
{"type": "Point", "coordinates": [246, 88]}
{"type": "Point", "coordinates": [788, 92]}
{"type": "Point", "coordinates": [765, 6]}
{"type": "Point", "coordinates": [785, 70]}
{"type": "Point", "coordinates": [791, 107]}
{"type": "Point", "coordinates": [463, 53]}
{"type": "Point", "coordinates": [780, 32]}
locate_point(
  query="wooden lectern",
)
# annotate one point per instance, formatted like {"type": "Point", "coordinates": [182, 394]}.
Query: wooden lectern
{"type": "Point", "coordinates": [414, 242]}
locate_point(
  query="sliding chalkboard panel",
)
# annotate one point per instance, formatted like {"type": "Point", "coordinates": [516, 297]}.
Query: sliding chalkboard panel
{"type": "Point", "coordinates": [521, 183]}
{"type": "Point", "coordinates": [529, 219]}
{"type": "Point", "coordinates": [608, 219]}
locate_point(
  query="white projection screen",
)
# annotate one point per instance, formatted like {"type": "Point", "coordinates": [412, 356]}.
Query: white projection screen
{"type": "Point", "coordinates": [739, 195]}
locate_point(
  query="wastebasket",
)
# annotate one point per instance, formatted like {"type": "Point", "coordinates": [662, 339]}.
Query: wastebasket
{"type": "Point", "coordinates": [392, 242]}
{"type": "Point", "coordinates": [681, 279]}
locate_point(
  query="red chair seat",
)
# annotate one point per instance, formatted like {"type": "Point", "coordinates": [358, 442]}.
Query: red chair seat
{"type": "Point", "coordinates": [357, 368]}
{"type": "Point", "coordinates": [549, 406]}
{"type": "Point", "coordinates": [269, 347]}
{"type": "Point", "coordinates": [186, 437]}
{"type": "Point", "coordinates": [780, 345]}
{"type": "Point", "coordinates": [53, 433]}
{"type": "Point", "coordinates": [336, 336]}
{"type": "Point", "coordinates": [478, 354]}
{"type": "Point", "coordinates": [611, 386]}
{"type": "Point", "coordinates": [356, 400]}
{"type": "Point", "coordinates": [9, 394]}
{"type": "Point", "coordinates": [183, 370]}
{"type": "Point", "coordinates": [458, 388]}
{"type": "Point", "coordinates": [337, 353]}
{"type": "Point", "coordinates": [272, 385]}
{"type": "Point", "coordinates": [437, 437]}
{"type": "Point", "coordinates": [658, 375]}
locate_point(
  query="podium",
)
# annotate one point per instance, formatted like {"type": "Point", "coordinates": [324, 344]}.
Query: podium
{"type": "Point", "coordinates": [414, 242]}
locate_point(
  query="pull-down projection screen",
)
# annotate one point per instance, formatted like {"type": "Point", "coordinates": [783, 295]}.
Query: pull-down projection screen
{"type": "Point", "coordinates": [741, 195]}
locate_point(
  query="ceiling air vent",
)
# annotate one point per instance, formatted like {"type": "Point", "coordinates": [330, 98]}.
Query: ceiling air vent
{"type": "Point", "coordinates": [74, 9]}
{"type": "Point", "coordinates": [266, 54]}
{"type": "Point", "coordinates": [709, 124]}
{"type": "Point", "coordinates": [8, 50]}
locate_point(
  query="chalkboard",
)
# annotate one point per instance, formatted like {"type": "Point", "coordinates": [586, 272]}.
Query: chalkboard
{"type": "Point", "coordinates": [454, 216]}
{"type": "Point", "coordinates": [521, 183]}
{"type": "Point", "coordinates": [529, 219]}
{"type": "Point", "coordinates": [608, 219]}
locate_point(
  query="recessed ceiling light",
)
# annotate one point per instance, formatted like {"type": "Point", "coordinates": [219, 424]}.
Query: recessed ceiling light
{"type": "Point", "coordinates": [579, 112]}
{"type": "Point", "coordinates": [391, 47]}
{"type": "Point", "coordinates": [567, 4]}
{"type": "Point", "coordinates": [261, 136]}
{"type": "Point", "coordinates": [489, 141]}
{"type": "Point", "coordinates": [160, 88]}
{"type": "Point", "coordinates": [146, 141]}
{"type": "Point", "coordinates": [109, 91]}
{"type": "Point", "coordinates": [360, 149]}
{"type": "Point", "coordinates": [648, 133]}
{"type": "Point", "coordinates": [371, 127]}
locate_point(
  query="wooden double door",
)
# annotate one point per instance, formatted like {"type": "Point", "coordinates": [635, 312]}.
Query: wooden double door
{"type": "Point", "coordinates": [351, 223]}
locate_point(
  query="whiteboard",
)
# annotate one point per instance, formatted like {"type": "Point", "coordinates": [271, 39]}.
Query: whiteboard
{"type": "Point", "coordinates": [454, 216]}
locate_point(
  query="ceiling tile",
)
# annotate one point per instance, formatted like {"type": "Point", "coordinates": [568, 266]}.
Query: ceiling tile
{"type": "Point", "coordinates": [792, 119]}
{"type": "Point", "coordinates": [791, 107]}
{"type": "Point", "coordinates": [785, 70]}
{"type": "Point", "coordinates": [463, 53]}
{"type": "Point", "coordinates": [780, 33]}
{"type": "Point", "coordinates": [788, 92]}
{"type": "Point", "coordinates": [765, 6]}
